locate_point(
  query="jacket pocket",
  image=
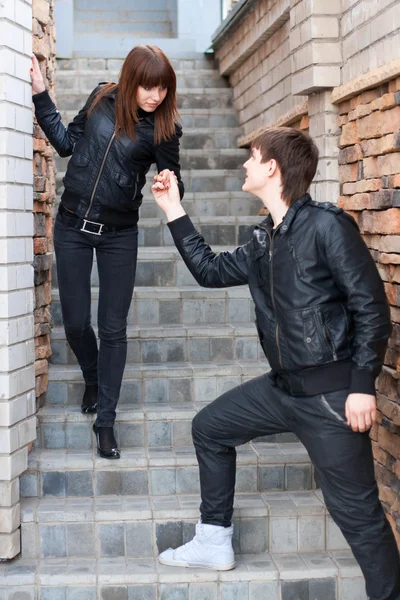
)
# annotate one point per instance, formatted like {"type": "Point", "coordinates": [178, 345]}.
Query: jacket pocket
{"type": "Point", "coordinates": [313, 336]}
{"type": "Point", "coordinates": [128, 184]}
{"type": "Point", "coordinates": [77, 173]}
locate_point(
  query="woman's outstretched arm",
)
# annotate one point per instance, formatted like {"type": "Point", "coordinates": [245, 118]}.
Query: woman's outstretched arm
{"type": "Point", "coordinates": [62, 138]}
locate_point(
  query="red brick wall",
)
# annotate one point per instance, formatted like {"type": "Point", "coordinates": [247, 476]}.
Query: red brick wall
{"type": "Point", "coordinates": [369, 172]}
{"type": "Point", "coordinates": [44, 196]}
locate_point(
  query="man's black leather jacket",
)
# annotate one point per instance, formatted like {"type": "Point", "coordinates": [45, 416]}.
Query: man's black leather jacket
{"type": "Point", "coordinates": [321, 311]}
{"type": "Point", "coordinates": [105, 175]}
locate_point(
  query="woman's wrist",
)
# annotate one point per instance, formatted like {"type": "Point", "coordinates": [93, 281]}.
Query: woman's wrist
{"type": "Point", "coordinates": [175, 212]}
{"type": "Point", "coordinates": [38, 90]}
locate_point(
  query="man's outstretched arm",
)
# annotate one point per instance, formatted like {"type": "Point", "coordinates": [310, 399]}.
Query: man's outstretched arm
{"type": "Point", "coordinates": [209, 269]}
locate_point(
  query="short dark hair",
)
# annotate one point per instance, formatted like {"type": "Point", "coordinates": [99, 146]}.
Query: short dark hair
{"type": "Point", "coordinates": [296, 155]}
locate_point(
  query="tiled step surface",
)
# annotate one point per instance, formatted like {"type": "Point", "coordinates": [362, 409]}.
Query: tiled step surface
{"type": "Point", "coordinates": [320, 575]}
{"type": "Point", "coordinates": [153, 470]}
{"type": "Point", "coordinates": [159, 267]}
{"type": "Point", "coordinates": [177, 343]}
{"type": "Point", "coordinates": [200, 97]}
{"type": "Point", "coordinates": [170, 306]}
{"type": "Point", "coordinates": [205, 204]}
{"type": "Point", "coordinates": [189, 117]}
{"type": "Point", "coordinates": [195, 61]}
{"type": "Point", "coordinates": [85, 81]}
{"type": "Point", "coordinates": [142, 526]}
{"type": "Point", "coordinates": [216, 180]}
{"type": "Point", "coordinates": [174, 383]}
{"type": "Point", "coordinates": [196, 159]}
{"type": "Point", "coordinates": [217, 231]}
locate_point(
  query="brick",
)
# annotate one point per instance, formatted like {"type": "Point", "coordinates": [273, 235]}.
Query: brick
{"type": "Point", "coordinates": [388, 164]}
{"type": "Point", "coordinates": [348, 173]}
{"type": "Point", "coordinates": [350, 154]}
{"type": "Point", "coordinates": [387, 222]}
{"type": "Point", "coordinates": [349, 135]}
{"type": "Point", "coordinates": [389, 259]}
{"type": "Point", "coordinates": [380, 455]}
{"type": "Point", "coordinates": [389, 441]}
{"type": "Point", "coordinates": [370, 168]}
{"type": "Point", "coordinates": [40, 245]}
{"type": "Point", "coordinates": [368, 185]}
{"type": "Point", "coordinates": [390, 120]}
{"type": "Point", "coordinates": [391, 293]}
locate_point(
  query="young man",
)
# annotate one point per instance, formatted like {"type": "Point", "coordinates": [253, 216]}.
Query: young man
{"type": "Point", "coordinates": [323, 323]}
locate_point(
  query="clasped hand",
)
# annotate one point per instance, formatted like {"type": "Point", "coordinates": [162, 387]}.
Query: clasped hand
{"type": "Point", "coordinates": [166, 194]}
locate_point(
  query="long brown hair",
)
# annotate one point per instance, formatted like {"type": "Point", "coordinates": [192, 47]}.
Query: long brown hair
{"type": "Point", "coordinates": [296, 154]}
{"type": "Point", "coordinates": [149, 67]}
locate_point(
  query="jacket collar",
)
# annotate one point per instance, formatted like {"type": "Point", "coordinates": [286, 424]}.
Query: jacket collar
{"type": "Point", "coordinates": [290, 215]}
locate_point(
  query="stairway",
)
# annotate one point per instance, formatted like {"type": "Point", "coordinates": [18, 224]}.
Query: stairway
{"type": "Point", "coordinates": [93, 528]}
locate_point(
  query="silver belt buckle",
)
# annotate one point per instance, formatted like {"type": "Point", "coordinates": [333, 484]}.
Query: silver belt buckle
{"type": "Point", "coordinates": [99, 225]}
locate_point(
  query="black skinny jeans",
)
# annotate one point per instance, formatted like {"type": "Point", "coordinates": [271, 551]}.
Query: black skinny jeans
{"type": "Point", "coordinates": [342, 459]}
{"type": "Point", "coordinates": [116, 254]}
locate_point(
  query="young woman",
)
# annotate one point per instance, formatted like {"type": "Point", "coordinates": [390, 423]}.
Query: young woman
{"type": "Point", "coordinates": [123, 128]}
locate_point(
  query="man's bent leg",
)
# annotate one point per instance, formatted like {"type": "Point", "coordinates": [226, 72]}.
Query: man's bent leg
{"type": "Point", "coordinates": [241, 414]}
{"type": "Point", "coordinates": [344, 464]}
{"type": "Point", "coordinates": [248, 411]}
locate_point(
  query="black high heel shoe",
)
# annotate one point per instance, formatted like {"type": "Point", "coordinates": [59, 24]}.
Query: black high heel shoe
{"type": "Point", "coordinates": [89, 400]}
{"type": "Point", "coordinates": [106, 443]}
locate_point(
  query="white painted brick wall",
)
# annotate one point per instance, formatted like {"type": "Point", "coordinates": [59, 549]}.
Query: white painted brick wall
{"type": "Point", "coordinates": [17, 349]}
{"type": "Point", "coordinates": [371, 34]}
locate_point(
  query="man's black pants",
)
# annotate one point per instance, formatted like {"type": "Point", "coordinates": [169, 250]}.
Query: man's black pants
{"type": "Point", "coordinates": [342, 458]}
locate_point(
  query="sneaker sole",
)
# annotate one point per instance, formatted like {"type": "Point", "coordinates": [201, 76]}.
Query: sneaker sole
{"type": "Point", "coordinates": [176, 563]}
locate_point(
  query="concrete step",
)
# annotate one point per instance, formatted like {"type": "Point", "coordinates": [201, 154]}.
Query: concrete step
{"type": "Point", "coordinates": [84, 81]}
{"type": "Point", "coordinates": [207, 204]}
{"type": "Point", "coordinates": [156, 470]}
{"type": "Point", "coordinates": [192, 63]}
{"type": "Point", "coordinates": [155, 425]}
{"type": "Point", "coordinates": [195, 159]}
{"type": "Point", "coordinates": [217, 231]}
{"type": "Point", "coordinates": [141, 526]}
{"type": "Point", "coordinates": [201, 97]}
{"type": "Point", "coordinates": [159, 267]}
{"type": "Point", "coordinates": [169, 306]}
{"type": "Point", "coordinates": [176, 344]}
{"type": "Point", "coordinates": [332, 575]}
{"type": "Point", "coordinates": [172, 383]}
{"type": "Point", "coordinates": [195, 180]}
{"type": "Point", "coordinates": [189, 117]}
{"type": "Point", "coordinates": [203, 204]}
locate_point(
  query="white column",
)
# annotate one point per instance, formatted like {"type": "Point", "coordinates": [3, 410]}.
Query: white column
{"type": "Point", "coordinates": [17, 355]}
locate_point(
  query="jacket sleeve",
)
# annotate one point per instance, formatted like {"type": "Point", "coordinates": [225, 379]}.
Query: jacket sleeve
{"type": "Point", "coordinates": [209, 269]}
{"type": "Point", "coordinates": [62, 138]}
{"type": "Point", "coordinates": [167, 157]}
{"type": "Point", "coordinates": [356, 275]}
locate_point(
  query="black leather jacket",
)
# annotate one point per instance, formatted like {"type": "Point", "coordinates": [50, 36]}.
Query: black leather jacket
{"type": "Point", "coordinates": [321, 311]}
{"type": "Point", "coordinates": [105, 176]}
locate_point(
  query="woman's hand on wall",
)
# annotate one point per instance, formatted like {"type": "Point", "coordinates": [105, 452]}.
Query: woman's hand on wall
{"type": "Point", "coordinates": [38, 85]}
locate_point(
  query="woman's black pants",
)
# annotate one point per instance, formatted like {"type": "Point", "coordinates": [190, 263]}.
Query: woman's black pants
{"type": "Point", "coordinates": [342, 458]}
{"type": "Point", "coordinates": [116, 254]}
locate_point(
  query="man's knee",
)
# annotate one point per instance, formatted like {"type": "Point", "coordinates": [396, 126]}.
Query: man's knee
{"type": "Point", "coordinates": [199, 426]}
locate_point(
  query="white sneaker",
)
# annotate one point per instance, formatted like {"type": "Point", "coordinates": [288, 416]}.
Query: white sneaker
{"type": "Point", "coordinates": [211, 548]}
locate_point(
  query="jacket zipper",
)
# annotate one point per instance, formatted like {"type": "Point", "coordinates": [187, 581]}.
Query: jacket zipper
{"type": "Point", "coordinates": [271, 281]}
{"type": "Point", "coordinates": [99, 175]}
{"type": "Point", "coordinates": [329, 341]}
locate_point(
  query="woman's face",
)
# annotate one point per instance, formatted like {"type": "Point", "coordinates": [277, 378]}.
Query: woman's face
{"type": "Point", "coordinates": [149, 98]}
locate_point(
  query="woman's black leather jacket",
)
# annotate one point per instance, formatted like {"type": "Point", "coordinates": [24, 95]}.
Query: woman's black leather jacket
{"type": "Point", "coordinates": [321, 310]}
{"type": "Point", "coordinates": [105, 175]}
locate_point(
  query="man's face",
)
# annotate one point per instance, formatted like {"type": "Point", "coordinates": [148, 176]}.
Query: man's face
{"type": "Point", "coordinates": [256, 173]}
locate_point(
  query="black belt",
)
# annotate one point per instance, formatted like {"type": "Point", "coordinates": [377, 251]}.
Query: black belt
{"type": "Point", "coordinates": [70, 218]}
